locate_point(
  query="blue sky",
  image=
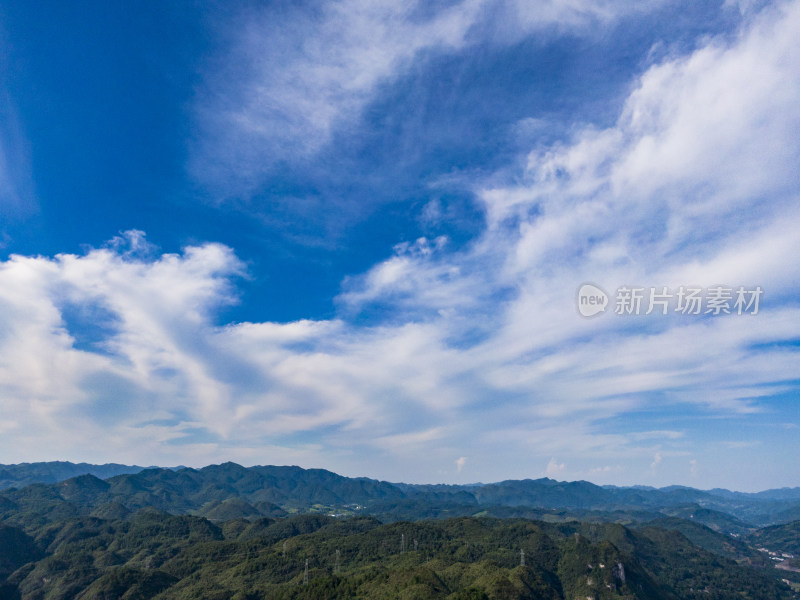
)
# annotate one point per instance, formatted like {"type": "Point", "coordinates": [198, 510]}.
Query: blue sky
{"type": "Point", "coordinates": [351, 235]}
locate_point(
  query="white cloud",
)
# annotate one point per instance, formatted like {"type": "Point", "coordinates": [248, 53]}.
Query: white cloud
{"type": "Point", "coordinates": [695, 184]}
{"type": "Point", "coordinates": [460, 462]}
{"type": "Point", "coordinates": [656, 461]}
{"type": "Point", "coordinates": [150, 353]}
{"type": "Point", "coordinates": [16, 183]}
{"type": "Point", "coordinates": [737, 444]}
{"type": "Point", "coordinates": [655, 435]}
{"type": "Point", "coordinates": [605, 469]}
{"type": "Point", "coordinates": [554, 468]}
{"type": "Point", "coordinates": [485, 348]}
{"type": "Point", "coordinates": [302, 80]}
{"type": "Point", "coordinates": [291, 79]}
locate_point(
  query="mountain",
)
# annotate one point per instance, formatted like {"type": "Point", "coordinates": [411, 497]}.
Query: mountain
{"type": "Point", "coordinates": [779, 538]}
{"type": "Point", "coordinates": [16, 549]}
{"type": "Point", "coordinates": [716, 520]}
{"type": "Point", "coordinates": [784, 493]}
{"type": "Point", "coordinates": [272, 491]}
{"type": "Point", "coordinates": [710, 540]}
{"type": "Point", "coordinates": [226, 531]}
{"type": "Point", "coordinates": [169, 557]}
{"type": "Point", "coordinates": [24, 474]}
{"type": "Point", "coordinates": [545, 493]}
{"type": "Point", "coordinates": [220, 492]}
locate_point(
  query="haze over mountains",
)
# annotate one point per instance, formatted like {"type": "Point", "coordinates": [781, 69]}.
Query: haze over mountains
{"type": "Point", "coordinates": [232, 491]}
{"type": "Point", "coordinates": [52, 472]}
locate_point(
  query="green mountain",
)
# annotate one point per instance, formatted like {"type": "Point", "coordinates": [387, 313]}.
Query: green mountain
{"type": "Point", "coordinates": [719, 521]}
{"type": "Point", "coordinates": [271, 491]}
{"type": "Point", "coordinates": [717, 543]}
{"type": "Point", "coordinates": [156, 555]}
{"type": "Point", "coordinates": [226, 531]}
{"type": "Point", "coordinates": [780, 538]}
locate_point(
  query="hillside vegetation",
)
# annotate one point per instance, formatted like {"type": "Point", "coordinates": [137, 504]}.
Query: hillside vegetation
{"type": "Point", "coordinates": [156, 555]}
{"type": "Point", "coordinates": [270, 532]}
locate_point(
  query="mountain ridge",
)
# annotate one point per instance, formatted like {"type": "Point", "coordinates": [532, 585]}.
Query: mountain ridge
{"type": "Point", "coordinates": [47, 470]}
{"type": "Point", "coordinates": [285, 489]}
{"type": "Point", "coordinates": [178, 533]}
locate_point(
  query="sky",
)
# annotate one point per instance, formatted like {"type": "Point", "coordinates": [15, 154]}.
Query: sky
{"type": "Point", "coordinates": [435, 241]}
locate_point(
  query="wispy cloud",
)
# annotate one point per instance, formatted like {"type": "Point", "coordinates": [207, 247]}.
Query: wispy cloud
{"type": "Point", "coordinates": [554, 468]}
{"type": "Point", "coordinates": [656, 461]}
{"type": "Point", "coordinates": [478, 351]}
{"type": "Point", "coordinates": [16, 184]}
{"type": "Point", "coordinates": [284, 88]}
{"type": "Point", "coordinates": [289, 80]}
{"type": "Point", "coordinates": [694, 183]}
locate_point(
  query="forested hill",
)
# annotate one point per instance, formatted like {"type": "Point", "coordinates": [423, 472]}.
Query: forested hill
{"type": "Point", "coordinates": [226, 531]}
{"type": "Point", "coordinates": [230, 490]}
{"type": "Point", "coordinates": [154, 555]}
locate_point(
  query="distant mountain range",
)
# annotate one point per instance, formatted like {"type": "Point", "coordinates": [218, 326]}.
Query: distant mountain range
{"type": "Point", "coordinates": [226, 491]}
{"type": "Point", "coordinates": [52, 472]}
{"type": "Point", "coordinates": [226, 531]}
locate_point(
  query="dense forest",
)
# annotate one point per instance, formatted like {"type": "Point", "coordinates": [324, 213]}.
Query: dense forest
{"type": "Point", "coordinates": [155, 555]}
{"type": "Point", "coordinates": [229, 532]}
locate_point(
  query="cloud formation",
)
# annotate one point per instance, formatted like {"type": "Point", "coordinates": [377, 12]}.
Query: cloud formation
{"type": "Point", "coordinates": [16, 186]}
{"type": "Point", "coordinates": [694, 184]}
{"type": "Point", "coordinates": [292, 79]}
{"type": "Point", "coordinates": [480, 349]}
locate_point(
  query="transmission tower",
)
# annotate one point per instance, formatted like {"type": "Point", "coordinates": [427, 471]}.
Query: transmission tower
{"type": "Point", "coordinates": [402, 542]}
{"type": "Point", "coordinates": [284, 548]}
{"type": "Point", "coordinates": [522, 558]}
{"type": "Point", "coordinates": [336, 564]}
{"type": "Point", "coordinates": [305, 574]}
